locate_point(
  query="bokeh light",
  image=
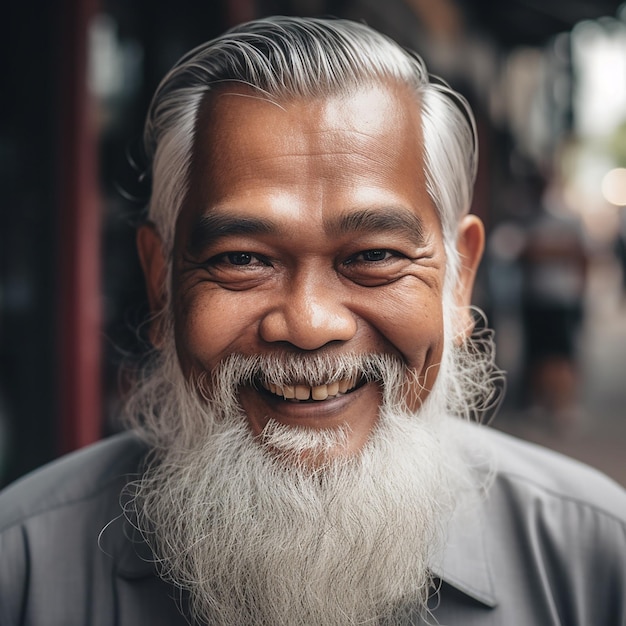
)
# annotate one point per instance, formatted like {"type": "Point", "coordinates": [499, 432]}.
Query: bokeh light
{"type": "Point", "coordinates": [614, 186]}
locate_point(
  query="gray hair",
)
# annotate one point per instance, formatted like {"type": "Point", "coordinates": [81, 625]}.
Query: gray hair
{"type": "Point", "coordinates": [288, 58]}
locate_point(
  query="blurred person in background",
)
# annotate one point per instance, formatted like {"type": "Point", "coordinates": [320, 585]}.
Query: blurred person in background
{"type": "Point", "coordinates": [303, 446]}
{"type": "Point", "coordinates": [554, 267]}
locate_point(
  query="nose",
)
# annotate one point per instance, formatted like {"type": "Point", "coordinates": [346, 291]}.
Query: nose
{"type": "Point", "coordinates": [308, 315]}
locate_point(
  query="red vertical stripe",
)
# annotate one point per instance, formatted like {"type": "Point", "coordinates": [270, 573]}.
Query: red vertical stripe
{"type": "Point", "coordinates": [78, 239]}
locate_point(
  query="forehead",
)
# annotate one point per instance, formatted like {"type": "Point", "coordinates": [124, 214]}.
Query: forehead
{"type": "Point", "coordinates": [238, 125]}
{"type": "Point", "coordinates": [358, 149]}
{"type": "Point", "coordinates": [234, 106]}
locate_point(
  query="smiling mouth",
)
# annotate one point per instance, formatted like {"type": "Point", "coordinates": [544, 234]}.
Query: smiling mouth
{"type": "Point", "coordinates": [308, 393]}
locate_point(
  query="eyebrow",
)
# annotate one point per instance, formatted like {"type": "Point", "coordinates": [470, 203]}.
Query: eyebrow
{"type": "Point", "coordinates": [208, 228]}
{"type": "Point", "coordinates": [388, 220]}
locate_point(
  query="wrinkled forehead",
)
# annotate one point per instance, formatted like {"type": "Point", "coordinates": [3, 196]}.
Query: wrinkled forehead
{"type": "Point", "coordinates": [236, 124]}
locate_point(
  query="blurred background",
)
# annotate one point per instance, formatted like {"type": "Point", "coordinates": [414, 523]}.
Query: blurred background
{"type": "Point", "coordinates": [547, 81]}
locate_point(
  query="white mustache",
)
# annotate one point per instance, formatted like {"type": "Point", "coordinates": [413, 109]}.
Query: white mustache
{"type": "Point", "coordinates": [312, 370]}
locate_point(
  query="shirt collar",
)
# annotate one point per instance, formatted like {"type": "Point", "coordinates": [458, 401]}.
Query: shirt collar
{"type": "Point", "coordinates": [464, 562]}
{"type": "Point", "coordinates": [124, 543]}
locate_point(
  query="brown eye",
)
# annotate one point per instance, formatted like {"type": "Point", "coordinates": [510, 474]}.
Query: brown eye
{"type": "Point", "coordinates": [374, 255]}
{"type": "Point", "coordinates": [239, 258]}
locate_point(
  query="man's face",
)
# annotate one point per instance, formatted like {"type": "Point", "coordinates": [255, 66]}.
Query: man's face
{"type": "Point", "coordinates": [308, 237]}
{"type": "Point", "coordinates": [308, 229]}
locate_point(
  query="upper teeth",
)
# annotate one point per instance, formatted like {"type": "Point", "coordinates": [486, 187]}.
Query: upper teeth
{"type": "Point", "coordinates": [306, 392]}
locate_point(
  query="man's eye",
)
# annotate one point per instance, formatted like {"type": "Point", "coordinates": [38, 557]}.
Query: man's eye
{"type": "Point", "coordinates": [370, 256]}
{"type": "Point", "coordinates": [239, 258]}
{"type": "Point", "coordinates": [232, 260]}
{"type": "Point", "coordinates": [375, 255]}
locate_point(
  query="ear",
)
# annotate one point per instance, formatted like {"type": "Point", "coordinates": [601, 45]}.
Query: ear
{"type": "Point", "coordinates": [470, 245]}
{"type": "Point", "coordinates": [152, 259]}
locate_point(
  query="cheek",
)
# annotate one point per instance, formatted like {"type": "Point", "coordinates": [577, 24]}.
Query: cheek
{"type": "Point", "coordinates": [411, 320]}
{"type": "Point", "coordinates": [415, 328]}
{"type": "Point", "coordinates": [210, 326]}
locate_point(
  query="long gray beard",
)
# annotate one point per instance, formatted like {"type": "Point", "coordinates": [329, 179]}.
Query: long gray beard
{"type": "Point", "coordinates": [256, 539]}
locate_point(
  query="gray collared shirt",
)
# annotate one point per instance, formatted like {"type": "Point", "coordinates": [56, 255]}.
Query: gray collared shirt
{"type": "Point", "coordinates": [547, 546]}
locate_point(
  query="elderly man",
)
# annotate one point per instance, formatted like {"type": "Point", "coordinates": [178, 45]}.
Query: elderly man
{"type": "Point", "coordinates": [299, 453]}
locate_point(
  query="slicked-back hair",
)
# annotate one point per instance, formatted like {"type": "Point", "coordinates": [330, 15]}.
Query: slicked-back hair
{"type": "Point", "coordinates": [289, 58]}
